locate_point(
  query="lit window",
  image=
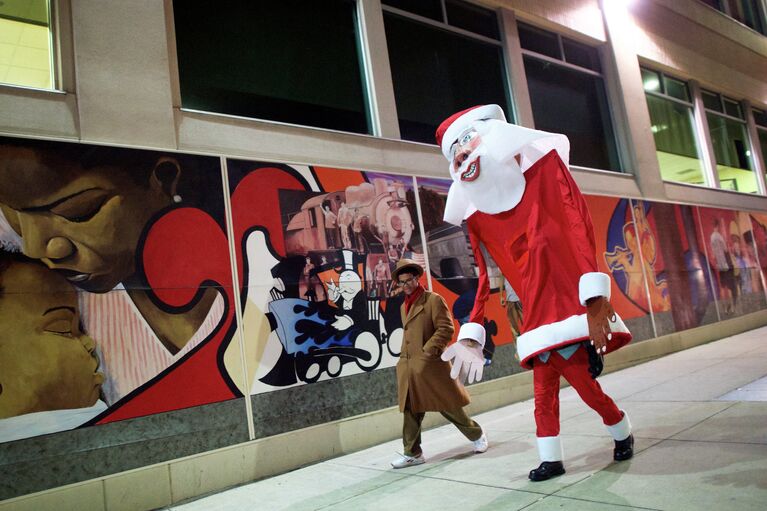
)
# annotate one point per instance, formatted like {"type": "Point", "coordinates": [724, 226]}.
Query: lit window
{"type": "Point", "coordinates": [673, 127]}
{"type": "Point", "coordinates": [26, 50]}
{"type": "Point", "coordinates": [729, 137]}
{"type": "Point", "coordinates": [442, 61]}
{"type": "Point", "coordinates": [568, 95]}
{"type": "Point", "coordinates": [289, 61]}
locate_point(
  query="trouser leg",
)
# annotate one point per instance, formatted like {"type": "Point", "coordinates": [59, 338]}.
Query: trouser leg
{"type": "Point", "coordinates": [411, 430]}
{"type": "Point", "coordinates": [546, 393]}
{"type": "Point", "coordinates": [576, 371]}
{"type": "Point", "coordinates": [464, 423]}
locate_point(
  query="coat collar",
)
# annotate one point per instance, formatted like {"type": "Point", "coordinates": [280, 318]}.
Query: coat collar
{"type": "Point", "coordinates": [415, 309]}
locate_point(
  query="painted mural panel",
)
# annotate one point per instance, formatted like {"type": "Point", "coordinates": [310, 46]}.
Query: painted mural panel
{"type": "Point", "coordinates": [454, 273]}
{"type": "Point", "coordinates": [628, 260]}
{"type": "Point", "coordinates": [759, 229]}
{"type": "Point", "coordinates": [115, 285]}
{"type": "Point", "coordinates": [681, 289]}
{"type": "Point", "coordinates": [732, 254]}
{"type": "Point", "coordinates": [320, 245]}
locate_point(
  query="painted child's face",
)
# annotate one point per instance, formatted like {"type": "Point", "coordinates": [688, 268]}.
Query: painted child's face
{"type": "Point", "coordinates": [46, 361]}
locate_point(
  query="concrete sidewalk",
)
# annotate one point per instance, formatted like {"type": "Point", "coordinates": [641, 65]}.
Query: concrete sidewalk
{"type": "Point", "coordinates": [700, 423]}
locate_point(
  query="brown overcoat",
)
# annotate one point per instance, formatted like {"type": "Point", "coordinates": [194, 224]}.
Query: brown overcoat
{"type": "Point", "coordinates": [420, 371]}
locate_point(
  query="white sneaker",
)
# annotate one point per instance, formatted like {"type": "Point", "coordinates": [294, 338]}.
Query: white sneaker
{"type": "Point", "coordinates": [480, 444]}
{"type": "Point", "coordinates": [408, 461]}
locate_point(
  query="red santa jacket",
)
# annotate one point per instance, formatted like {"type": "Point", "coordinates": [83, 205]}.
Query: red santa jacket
{"type": "Point", "coordinates": [545, 248]}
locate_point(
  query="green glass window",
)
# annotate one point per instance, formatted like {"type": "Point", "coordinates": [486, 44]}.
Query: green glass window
{"type": "Point", "coordinates": [733, 154]}
{"type": "Point", "coordinates": [290, 61]}
{"type": "Point", "coordinates": [673, 128]}
{"type": "Point", "coordinates": [26, 44]}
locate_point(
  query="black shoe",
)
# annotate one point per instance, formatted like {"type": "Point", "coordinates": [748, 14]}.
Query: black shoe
{"type": "Point", "coordinates": [547, 470]}
{"type": "Point", "coordinates": [624, 449]}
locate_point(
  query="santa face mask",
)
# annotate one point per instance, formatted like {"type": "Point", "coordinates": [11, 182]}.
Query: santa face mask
{"type": "Point", "coordinates": [483, 166]}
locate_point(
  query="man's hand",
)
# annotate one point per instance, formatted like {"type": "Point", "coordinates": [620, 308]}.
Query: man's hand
{"type": "Point", "coordinates": [468, 360]}
{"type": "Point", "coordinates": [598, 313]}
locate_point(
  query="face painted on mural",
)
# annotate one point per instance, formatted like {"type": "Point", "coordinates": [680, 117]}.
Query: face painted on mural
{"type": "Point", "coordinates": [85, 223]}
{"type": "Point", "coordinates": [46, 361]}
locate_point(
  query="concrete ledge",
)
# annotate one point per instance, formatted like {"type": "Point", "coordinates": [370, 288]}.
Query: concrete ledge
{"type": "Point", "coordinates": [184, 478]}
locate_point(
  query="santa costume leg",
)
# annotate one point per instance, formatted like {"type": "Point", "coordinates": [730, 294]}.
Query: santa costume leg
{"type": "Point", "coordinates": [576, 372]}
{"type": "Point", "coordinates": [546, 392]}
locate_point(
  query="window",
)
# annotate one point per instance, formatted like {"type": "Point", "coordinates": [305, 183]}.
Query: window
{"type": "Point", "coordinates": [727, 127]}
{"type": "Point", "coordinates": [26, 45]}
{"type": "Point", "coordinates": [760, 118]}
{"type": "Point", "coordinates": [289, 61]}
{"type": "Point", "coordinates": [442, 61]}
{"type": "Point", "coordinates": [748, 12]}
{"type": "Point", "coordinates": [568, 95]}
{"type": "Point", "coordinates": [673, 127]}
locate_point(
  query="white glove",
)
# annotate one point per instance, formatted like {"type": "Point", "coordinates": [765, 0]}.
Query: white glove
{"type": "Point", "coordinates": [468, 360]}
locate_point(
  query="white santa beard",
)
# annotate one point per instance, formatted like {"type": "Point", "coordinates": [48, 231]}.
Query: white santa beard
{"type": "Point", "coordinates": [500, 184]}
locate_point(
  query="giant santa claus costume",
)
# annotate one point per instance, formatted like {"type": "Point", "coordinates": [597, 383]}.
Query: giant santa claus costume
{"type": "Point", "coordinates": [512, 186]}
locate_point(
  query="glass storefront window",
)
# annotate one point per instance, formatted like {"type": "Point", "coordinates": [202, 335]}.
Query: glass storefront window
{"type": "Point", "coordinates": [26, 44]}
{"type": "Point", "coordinates": [290, 61]}
{"type": "Point", "coordinates": [437, 71]}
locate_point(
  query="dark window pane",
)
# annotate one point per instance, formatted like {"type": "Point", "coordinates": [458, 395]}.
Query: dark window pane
{"type": "Point", "coordinates": [747, 12]}
{"type": "Point", "coordinates": [651, 81]}
{"type": "Point", "coordinates": [426, 8]}
{"type": "Point", "coordinates": [472, 18]}
{"type": "Point", "coordinates": [712, 3]}
{"type": "Point", "coordinates": [288, 61]}
{"type": "Point", "coordinates": [763, 143]}
{"type": "Point", "coordinates": [760, 117]}
{"type": "Point", "coordinates": [539, 41]}
{"type": "Point", "coordinates": [437, 73]}
{"type": "Point", "coordinates": [730, 142]}
{"type": "Point", "coordinates": [732, 108]}
{"type": "Point", "coordinates": [712, 101]}
{"type": "Point", "coordinates": [581, 55]}
{"type": "Point", "coordinates": [677, 89]}
{"type": "Point", "coordinates": [573, 103]}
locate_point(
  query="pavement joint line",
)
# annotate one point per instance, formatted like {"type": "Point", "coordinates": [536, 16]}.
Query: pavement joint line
{"type": "Point", "coordinates": [346, 499]}
{"type": "Point", "coordinates": [448, 479]}
{"type": "Point", "coordinates": [706, 418]}
{"type": "Point", "coordinates": [626, 506]}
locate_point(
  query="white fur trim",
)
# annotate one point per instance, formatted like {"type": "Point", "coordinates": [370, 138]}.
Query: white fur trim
{"type": "Point", "coordinates": [593, 284]}
{"type": "Point", "coordinates": [463, 122]}
{"type": "Point", "coordinates": [550, 335]}
{"type": "Point", "coordinates": [473, 331]}
{"type": "Point", "coordinates": [622, 430]}
{"type": "Point", "coordinates": [550, 448]}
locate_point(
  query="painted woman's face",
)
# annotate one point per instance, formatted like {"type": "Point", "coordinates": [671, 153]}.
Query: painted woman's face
{"type": "Point", "coordinates": [46, 362]}
{"type": "Point", "coordinates": [83, 223]}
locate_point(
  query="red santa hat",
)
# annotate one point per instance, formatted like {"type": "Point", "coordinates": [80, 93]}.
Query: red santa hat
{"type": "Point", "coordinates": [448, 131]}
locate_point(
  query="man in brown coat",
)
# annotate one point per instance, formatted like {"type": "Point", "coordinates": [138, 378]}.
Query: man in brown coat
{"type": "Point", "coordinates": [423, 378]}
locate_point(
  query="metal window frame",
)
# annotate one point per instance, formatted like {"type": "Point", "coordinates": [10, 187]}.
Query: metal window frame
{"type": "Point", "coordinates": [444, 25]}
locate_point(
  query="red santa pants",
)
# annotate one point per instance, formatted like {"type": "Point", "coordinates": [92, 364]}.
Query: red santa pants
{"type": "Point", "coordinates": [576, 371]}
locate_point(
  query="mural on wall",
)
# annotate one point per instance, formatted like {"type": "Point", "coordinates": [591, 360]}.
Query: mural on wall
{"type": "Point", "coordinates": [328, 304]}
{"type": "Point", "coordinates": [631, 253]}
{"type": "Point", "coordinates": [87, 236]}
{"type": "Point", "coordinates": [120, 282]}
{"type": "Point", "coordinates": [453, 269]}
{"type": "Point", "coordinates": [732, 250]}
